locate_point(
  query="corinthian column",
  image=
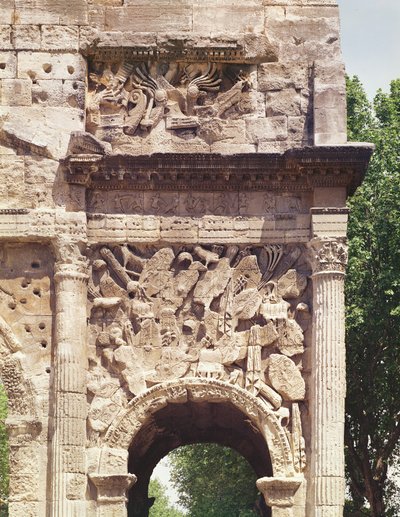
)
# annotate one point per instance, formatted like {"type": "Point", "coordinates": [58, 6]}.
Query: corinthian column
{"type": "Point", "coordinates": [328, 379]}
{"type": "Point", "coordinates": [68, 472]}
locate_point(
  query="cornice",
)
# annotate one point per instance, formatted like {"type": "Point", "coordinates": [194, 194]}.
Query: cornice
{"type": "Point", "coordinates": [300, 169]}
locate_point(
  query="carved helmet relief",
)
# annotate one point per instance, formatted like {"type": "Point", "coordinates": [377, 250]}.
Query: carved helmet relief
{"type": "Point", "coordinates": [226, 313]}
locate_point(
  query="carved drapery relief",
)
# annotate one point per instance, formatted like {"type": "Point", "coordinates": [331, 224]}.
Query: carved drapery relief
{"type": "Point", "coordinates": [134, 97]}
{"type": "Point", "coordinates": [230, 313]}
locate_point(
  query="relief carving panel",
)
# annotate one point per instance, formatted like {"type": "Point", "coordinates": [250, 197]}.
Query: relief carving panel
{"type": "Point", "coordinates": [196, 203]}
{"type": "Point", "coordinates": [130, 99]}
{"type": "Point", "coordinates": [227, 313]}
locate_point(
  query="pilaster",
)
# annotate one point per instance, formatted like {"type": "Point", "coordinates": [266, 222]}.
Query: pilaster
{"type": "Point", "coordinates": [328, 378]}
{"type": "Point", "coordinates": [69, 391]}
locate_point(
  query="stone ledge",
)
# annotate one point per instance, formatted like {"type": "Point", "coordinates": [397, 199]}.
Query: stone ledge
{"type": "Point", "coordinates": [299, 169]}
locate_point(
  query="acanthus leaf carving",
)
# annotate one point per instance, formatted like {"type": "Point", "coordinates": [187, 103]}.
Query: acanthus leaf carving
{"type": "Point", "coordinates": [329, 255]}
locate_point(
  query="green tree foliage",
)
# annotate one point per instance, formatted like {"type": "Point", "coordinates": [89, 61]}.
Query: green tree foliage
{"type": "Point", "coordinates": [161, 506]}
{"type": "Point", "coordinates": [213, 481]}
{"type": "Point", "coordinates": [373, 304]}
{"type": "Point", "coordinates": [3, 454]}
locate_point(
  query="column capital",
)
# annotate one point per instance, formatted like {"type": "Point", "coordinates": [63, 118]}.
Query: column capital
{"type": "Point", "coordinates": [329, 255]}
{"type": "Point", "coordinates": [70, 262]}
{"type": "Point", "coordinates": [112, 488]}
{"type": "Point", "coordinates": [279, 492]}
{"type": "Point", "coordinates": [77, 272]}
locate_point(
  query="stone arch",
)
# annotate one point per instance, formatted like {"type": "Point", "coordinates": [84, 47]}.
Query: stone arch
{"type": "Point", "coordinates": [20, 393]}
{"type": "Point", "coordinates": [108, 470]}
{"type": "Point", "coordinates": [123, 432]}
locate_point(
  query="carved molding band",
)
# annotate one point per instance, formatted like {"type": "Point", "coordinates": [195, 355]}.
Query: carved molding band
{"type": "Point", "coordinates": [91, 164]}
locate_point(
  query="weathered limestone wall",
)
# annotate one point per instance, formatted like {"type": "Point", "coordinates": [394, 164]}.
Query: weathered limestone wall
{"type": "Point", "coordinates": [297, 96]}
{"type": "Point", "coordinates": [173, 181]}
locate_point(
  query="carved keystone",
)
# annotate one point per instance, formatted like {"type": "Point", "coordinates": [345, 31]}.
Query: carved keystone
{"type": "Point", "coordinates": [279, 492]}
{"type": "Point", "coordinates": [112, 489]}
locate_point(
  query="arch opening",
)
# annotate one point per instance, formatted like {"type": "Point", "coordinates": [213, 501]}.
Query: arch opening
{"type": "Point", "coordinates": [176, 425]}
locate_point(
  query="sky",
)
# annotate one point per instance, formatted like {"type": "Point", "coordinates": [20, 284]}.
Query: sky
{"type": "Point", "coordinates": [371, 41]}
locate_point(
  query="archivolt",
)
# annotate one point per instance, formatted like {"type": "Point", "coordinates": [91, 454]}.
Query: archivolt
{"type": "Point", "coordinates": [122, 433]}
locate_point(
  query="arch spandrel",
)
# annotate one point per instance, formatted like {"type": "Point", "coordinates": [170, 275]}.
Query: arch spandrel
{"type": "Point", "coordinates": [122, 434]}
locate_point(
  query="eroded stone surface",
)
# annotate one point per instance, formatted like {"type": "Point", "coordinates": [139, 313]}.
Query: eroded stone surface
{"type": "Point", "coordinates": [163, 314]}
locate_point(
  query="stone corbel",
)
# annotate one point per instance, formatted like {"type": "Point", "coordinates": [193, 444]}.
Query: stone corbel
{"type": "Point", "coordinates": [111, 493]}
{"type": "Point", "coordinates": [279, 494]}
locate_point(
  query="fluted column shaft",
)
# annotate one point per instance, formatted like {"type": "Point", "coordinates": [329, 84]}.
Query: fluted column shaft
{"type": "Point", "coordinates": [69, 392]}
{"type": "Point", "coordinates": [328, 381]}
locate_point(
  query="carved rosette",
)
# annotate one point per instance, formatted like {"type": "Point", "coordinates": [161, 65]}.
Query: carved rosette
{"type": "Point", "coordinates": [329, 255]}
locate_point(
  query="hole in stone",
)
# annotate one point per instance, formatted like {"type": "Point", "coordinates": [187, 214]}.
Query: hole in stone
{"type": "Point", "coordinates": [42, 326]}
{"type": "Point", "coordinates": [39, 97]}
{"type": "Point", "coordinates": [12, 305]}
{"type": "Point", "coordinates": [75, 86]}
{"type": "Point", "coordinates": [284, 422]}
{"type": "Point", "coordinates": [72, 101]}
{"type": "Point", "coordinates": [2, 66]}
{"type": "Point", "coordinates": [25, 283]}
{"type": "Point", "coordinates": [35, 264]}
{"type": "Point", "coordinates": [23, 301]}
{"type": "Point", "coordinates": [43, 343]}
{"type": "Point", "coordinates": [37, 292]}
{"type": "Point", "coordinates": [70, 69]}
{"type": "Point", "coordinates": [28, 328]}
{"type": "Point", "coordinates": [48, 369]}
{"type": "Point", "coordinates": [47, 67]}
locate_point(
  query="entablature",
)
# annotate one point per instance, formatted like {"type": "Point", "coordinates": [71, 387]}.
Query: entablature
{"type": "Point", "coordinates": [294, 170]}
